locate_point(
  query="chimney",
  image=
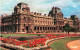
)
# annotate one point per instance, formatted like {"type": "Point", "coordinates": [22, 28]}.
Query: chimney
{"type": "Point", "coordinates": [40, 13]}
{"type": "Point", "coordinates": [35, 13]}
{"type": "Point", "coordinates": [1, 15]}
{"type": "Point", "coordinates": [53, 8]}
{"type": "Point", "coordinates": [65, 18]}
{"type": "Point", "coordinates": [49, 14]}
{"type": "Point", "coordinates": [6, 15]}
{"type": "Point", "coordinates": [32, 12]}
{"type": "Point", "coordinates": [44, 14]}
{"type": "Point", "coordinates": [12, 13]}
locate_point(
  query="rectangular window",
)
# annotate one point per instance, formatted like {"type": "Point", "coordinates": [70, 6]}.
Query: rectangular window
{"type": "Point", "coordinates": [43, 28]}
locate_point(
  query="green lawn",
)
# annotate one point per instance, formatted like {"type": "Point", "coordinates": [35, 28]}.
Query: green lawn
{"type": "Point", "coordinates": [61, 44]}
{"type": "Point", "coordinates": [1, 48]}
{"type": "Point", "coordinates": [6, 35]}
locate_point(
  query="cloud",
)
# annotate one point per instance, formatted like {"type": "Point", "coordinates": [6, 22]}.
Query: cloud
{"type": "Point", "coordinates": [7, 6]}
{"type": "Point", "coordinates": [78, 16]}
{"type": "Point", "coordinates": [5, 12]}
{"type": "Point", "coordinates": [41, 6]}
{"type": "Point", "coordinates": [44, 6]}
{"type": "Point", "coordinates": [76, 13]}
{"type": "Point", "coordinates": [76, 1]}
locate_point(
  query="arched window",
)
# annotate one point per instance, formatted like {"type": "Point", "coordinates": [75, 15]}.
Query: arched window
{"type": "Point", "coordinates": [35, 28]}
{"type": "Point", "coordinates": [54, 28]}
{"type": "Point", "coordinates": [43, 28]}
{"type": "Point", "coordinates": [50, 28]}
{"type": "Point", "coordinates": [40, 28]}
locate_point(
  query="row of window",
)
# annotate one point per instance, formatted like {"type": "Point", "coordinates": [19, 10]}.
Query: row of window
{"type": "Point", "coordinates": [41, 18]}
{"type": "Point", "coordinates": [6, 20]}
{"type": "Point", "coordinates": [47, 22]}
{"type": "Point", "coordinates": [44, 28]}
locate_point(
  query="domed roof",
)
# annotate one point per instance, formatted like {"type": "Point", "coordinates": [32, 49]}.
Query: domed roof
{"type": "Point", "coordinates": [21, 3]}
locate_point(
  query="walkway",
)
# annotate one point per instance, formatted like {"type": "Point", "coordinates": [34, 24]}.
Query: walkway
{"type": "Point", "coordinates": [74, 45]}
{"type": "Point", "coordinates": [4, 48]}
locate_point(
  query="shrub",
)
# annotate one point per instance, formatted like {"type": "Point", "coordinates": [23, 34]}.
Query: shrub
{"type": "Point", "coordinates": [29, 38]}
{"type": "Point", "coordinates": [13, 37]}
{"type": "Point", "coordinates": [38, 35]}
{"type": "Point", "coordinates": [23, 38]}
{"type": "Point", "coordinates": [8, 36]}
{"type": "Point", "coordinates": [1, 36]}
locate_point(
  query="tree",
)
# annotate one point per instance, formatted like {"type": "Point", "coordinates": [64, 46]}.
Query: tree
{"type": "Point", "coordinates": [67, 28]}
{"type": "Point", "coordinates": [73, 18]}
{"type": "Point", "coordinates": [74, 29]}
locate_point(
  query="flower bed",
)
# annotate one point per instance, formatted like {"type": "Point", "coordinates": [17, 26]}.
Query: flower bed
{"type": "Point", "coordinates": [26, 43]}
{"type": "Point", "coordinates": [34, 42]}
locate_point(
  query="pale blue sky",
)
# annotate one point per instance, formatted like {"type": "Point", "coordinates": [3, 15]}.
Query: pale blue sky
{"type": "Point", "coordinates": [68, 7]}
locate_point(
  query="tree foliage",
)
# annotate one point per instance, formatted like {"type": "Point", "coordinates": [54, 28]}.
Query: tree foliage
{"type": "Point", "coordinates": [67, 27]}
{"type": "Point", "coordinates": [73, 18]}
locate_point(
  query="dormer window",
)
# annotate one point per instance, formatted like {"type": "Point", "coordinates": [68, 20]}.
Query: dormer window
{"type": "Point", "coordinates": [24, 19]}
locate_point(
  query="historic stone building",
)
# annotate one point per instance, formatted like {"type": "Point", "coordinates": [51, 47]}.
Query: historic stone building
{"type": "Point", "coordinates": [58, 18]}
{"type": "Point", "coordinates": [22, 20]}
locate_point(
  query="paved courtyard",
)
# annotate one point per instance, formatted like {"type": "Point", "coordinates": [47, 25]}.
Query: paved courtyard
{"type": "Point", "coordinates": [74, 45]}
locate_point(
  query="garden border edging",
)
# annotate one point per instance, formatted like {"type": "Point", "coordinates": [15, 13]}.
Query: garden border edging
{"type": "Point", "coordinates": [35, 48]}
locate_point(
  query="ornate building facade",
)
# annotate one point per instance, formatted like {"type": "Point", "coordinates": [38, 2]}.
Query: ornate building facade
{"type": "Point", "coordinates": [22, 20]}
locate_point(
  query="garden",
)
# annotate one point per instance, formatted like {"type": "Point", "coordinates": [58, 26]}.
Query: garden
{"type": "Point", "coordinates": [61, 44]}
{"type": "Point", "coordinates": [31, 41]}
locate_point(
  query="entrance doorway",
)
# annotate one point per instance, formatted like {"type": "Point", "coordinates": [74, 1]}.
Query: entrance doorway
{"type": "Point", "coordinates": [27, 28]}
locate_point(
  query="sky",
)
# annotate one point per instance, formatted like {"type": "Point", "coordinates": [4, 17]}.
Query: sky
{"type": "Point", "coordinates": [68, 7]}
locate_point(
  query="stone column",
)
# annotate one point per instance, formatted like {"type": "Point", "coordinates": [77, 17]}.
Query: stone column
{"type": "Point", "coordinates": [62, 28]}
{"type": "Point", "coordinates": [47, 28]}
{"type": "Point", "coordinates": [51, 29]}
{"type": "Point", "coordinates": [42, 28]}
{"type": "Point", "coordinates": [20, 27]}
{"type": "Point", "coordinates": [25, 28]}
{"type": "Point", "coordinates": [30, 28]}
{"type": "Point", "coordinates": [17, 28]}
{"type": "Point", "coordinates": [4, 28]}
{"type": "Point", "coordinates": [39, 28]}
{"type": "Point", "coordinates": [79, 28]}
{"type": "Point", "coordinates": [36, 28]}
